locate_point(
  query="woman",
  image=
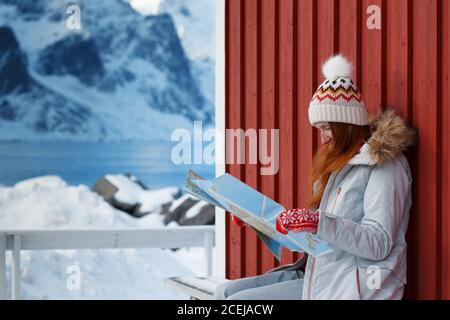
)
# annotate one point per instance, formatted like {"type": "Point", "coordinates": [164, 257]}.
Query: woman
{"type": "Point", "coordinates": [360, 203]}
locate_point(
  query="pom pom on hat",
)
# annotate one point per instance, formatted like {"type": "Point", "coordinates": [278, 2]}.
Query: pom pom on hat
{"type": "Point", "coordinates": [337, 67]}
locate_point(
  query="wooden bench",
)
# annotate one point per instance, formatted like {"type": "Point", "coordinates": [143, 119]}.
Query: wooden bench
{"type": "Point", "coordinates": [203, 288]}
{"type": "Point", "coordinates": [197, 288]}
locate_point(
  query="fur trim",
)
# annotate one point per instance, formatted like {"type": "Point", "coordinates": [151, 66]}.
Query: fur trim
{"type": "Point", "coordinates": [337, 66]}
{"type": "Point", "coordinates": [391, 135]}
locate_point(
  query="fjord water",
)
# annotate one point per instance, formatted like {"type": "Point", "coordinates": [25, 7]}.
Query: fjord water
{"type": "Point", "coordinates": [85, 162]}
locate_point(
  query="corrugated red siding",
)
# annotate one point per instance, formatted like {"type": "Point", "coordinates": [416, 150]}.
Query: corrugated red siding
{"type": "Point", "coordinates": [274, 50]}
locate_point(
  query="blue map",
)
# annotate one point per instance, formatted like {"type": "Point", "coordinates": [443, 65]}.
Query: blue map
{"type": "Point", "coordinates": [255, 209]}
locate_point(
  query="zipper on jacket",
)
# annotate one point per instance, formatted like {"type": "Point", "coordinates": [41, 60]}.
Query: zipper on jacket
{"type": "Point", "coordinates": [334, 205]}
{"type": "Point", "coordinates": [310, 277]}
{"type": "Point", "coordinates": [335, 199]}
{"type": "Point", "coordinates": [357, 281]}
{"type": "Point", "coordinates": [314, 260]}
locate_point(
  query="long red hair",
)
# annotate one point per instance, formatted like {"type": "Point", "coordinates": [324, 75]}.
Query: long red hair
{"type": "Point", "coordinates": [347, 140]}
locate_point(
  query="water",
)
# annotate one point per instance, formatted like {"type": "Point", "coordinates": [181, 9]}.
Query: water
{"type": "Point", "coordinates": [85, 162]}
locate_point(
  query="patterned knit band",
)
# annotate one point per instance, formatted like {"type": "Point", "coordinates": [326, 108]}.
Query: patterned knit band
{"type": "Point", "coordinates": [333, 113]}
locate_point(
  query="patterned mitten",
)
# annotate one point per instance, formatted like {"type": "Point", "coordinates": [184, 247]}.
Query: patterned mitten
{"type": "Point", "coordinates": [298, 220]}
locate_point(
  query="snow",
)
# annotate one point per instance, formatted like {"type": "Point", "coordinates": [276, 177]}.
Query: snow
{"type": "Point", "coordinates": [193, 259]}
{"type": "Point", "coordinates": [44, 32]}
{"type": "Point", "coordinates": [195, 209]}
{"type": "Point", "coordinates": [49, 203]}
{"type": "Point", "coordinates": [146, 6]}
{"type": "Point", "coordinates": [113, 109]}
{"type": "Point", "coordinates": [41, 182]}
{"type": "Point", "coordinates": [152, 200]}
{"type": "Point", "coordinates": [179, 201]}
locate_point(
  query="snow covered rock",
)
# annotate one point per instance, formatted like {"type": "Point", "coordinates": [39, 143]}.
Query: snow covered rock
{"type": "Point", "coordinates": [188, 210]}
{"type": "Point", "coordinates": [201, 213]}
{"type": "Point", "coordinates": [178, 208]}
{"type": "Point", "coordinates": [127, 193]}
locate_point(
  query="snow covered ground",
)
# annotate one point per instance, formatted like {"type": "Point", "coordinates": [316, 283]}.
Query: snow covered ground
{"type": "Point", "coordinates": [49, 203]}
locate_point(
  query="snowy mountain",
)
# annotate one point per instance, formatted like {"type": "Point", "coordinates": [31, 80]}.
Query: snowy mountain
{"type": "Point", "coordinates": [196, 37]}
{"type": "Point", "coordinates": [123, 76]}
{"type": "Point", "coordinates": [194, 21]}
{"type": "Point", "coordinates": [19, 93]}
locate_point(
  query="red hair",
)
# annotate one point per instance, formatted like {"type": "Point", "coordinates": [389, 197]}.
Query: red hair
{"type": "Point", "coordinates": [347, 140]}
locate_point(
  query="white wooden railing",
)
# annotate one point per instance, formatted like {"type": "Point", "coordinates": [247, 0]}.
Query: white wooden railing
{"type": "Point", "coordinates": [167, 238]}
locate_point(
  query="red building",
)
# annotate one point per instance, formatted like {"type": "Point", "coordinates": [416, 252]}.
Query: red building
{"type": "Point", "coordinates": [274, 50]}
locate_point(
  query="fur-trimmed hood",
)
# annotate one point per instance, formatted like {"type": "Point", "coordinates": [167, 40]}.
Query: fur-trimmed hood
{"type": "Point", "coordinates": [391, 135]}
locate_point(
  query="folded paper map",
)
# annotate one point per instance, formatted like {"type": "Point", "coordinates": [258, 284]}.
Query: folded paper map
{"type": "Point", "coordinates": [255, 209]}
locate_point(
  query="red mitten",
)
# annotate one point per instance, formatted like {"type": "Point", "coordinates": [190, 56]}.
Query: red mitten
{"type": "Point", "coordinates": [237, 221]}
{"type": "Point", "coordinates": [298, 220]}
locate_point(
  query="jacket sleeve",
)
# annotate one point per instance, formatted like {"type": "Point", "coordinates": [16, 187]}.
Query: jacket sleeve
{"type": "Point", "coordinates": [384, 201]}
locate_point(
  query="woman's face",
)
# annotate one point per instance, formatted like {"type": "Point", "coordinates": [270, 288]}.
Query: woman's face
{"type": "Point", "coordinates": [326, 136]}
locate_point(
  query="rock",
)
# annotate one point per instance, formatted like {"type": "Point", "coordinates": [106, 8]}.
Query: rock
{"type": "Point", "coordinates": [75, 55]}
{"type": "Point", "coordinates": [14, 75]}
{"type": "Point", "coordinates": [189, 211]}
{"type": "Point", "coordinates": [206, 216]}
{"type": "Point", "coordinates": [177, 213]}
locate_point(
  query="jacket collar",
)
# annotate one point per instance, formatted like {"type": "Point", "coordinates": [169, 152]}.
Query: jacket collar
{"type": "Point", "coordinates": [363, 157]}
{"type": "Point", "coordinates": [391, 135]}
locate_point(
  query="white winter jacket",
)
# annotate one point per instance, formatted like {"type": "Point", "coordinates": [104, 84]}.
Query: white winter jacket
{"type": "Point", "coordinates": [364, 214]}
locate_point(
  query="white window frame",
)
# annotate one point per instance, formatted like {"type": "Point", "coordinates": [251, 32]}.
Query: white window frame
{"type": "Point", "coordinates": [220, 235]}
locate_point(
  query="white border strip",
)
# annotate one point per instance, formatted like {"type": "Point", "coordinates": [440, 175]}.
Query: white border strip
{"type": "Point", "coordinates": [220, 129]}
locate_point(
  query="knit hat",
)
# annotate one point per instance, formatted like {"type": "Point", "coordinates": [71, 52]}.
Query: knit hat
{"type": "Point", "coordinates": [337, 99]}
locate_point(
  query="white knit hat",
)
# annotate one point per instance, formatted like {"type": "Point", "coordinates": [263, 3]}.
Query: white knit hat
{"type": "Point", "coordinates": [337, 99]}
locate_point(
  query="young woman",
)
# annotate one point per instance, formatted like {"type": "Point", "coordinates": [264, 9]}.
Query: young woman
{"type": "Point", "coordinates": [361, 197]}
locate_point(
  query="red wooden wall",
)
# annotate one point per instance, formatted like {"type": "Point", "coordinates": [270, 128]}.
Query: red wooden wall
{"type": "Point", "coordinates": [274, 51]}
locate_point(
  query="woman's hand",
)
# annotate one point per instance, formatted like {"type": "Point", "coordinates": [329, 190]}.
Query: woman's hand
{"type": "Point", "coordinates": [238, 221]}
{"type": "Point", "coordinates": [297, 220]}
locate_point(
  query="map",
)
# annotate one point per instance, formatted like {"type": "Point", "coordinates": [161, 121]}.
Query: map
{"type": "Point", "coordinates": [255, 209]}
